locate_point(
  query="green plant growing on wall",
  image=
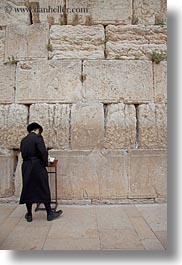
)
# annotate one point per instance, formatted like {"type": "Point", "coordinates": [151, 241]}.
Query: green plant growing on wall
{"type": "Point", "coordinates": [157, 57]}
{"type": "Point", "coordinates": [117, 57]}
{"type": "Point", "coordinates": [134, 20]}
{"type": "Point", "coordinates": [11, 60]}
{"type": "Point", "coordinates": [62, 22]}
{"type": "Point", "coordinates": [49, 47]}
{"type": "Point", "coordinates": [105, 40]}
{"type": "Point", "coordinates": [137, 57]}
{"type": "Point", "coordinates": [159, 21]}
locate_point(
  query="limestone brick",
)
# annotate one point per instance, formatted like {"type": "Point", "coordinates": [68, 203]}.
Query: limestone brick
{"type": "Point", "coordinates": [135, 41]}
{"type": "Point", "coordinates": [13, 123]}
{"type": "Point", "coordinates": [48, 81]}
{"type": "Point", "coordinates": [150, 12]}
{"type": "Point", "coordinates": [7, 83]}
{"type": "Point", "coordinates": [87, 125]}
{"type": "Point", "coordinates": [82, 42]}
{"type": "Point", "coordinates": [25, 42]}
{"type": "Point", "coordinates": [100, 12]}
{"type": "Point", "coordinates": [152, 125]}
{"type": "Point", "coordinates": [91, 174]}
{"type": "Point", "coordinates": [160, 82]}
{"type": "Point", "coordinates": [55, 121]}
{"type": "Point", "coordinates": [118, 81]}
{"type": "Point", "coordinates": [148, 174]}
{"type": "Point", "coordinates": [120, 126]}
{"type": "Point", "coordinates": [6, 174]}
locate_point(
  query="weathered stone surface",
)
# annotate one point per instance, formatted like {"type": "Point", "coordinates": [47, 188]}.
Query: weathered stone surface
{"type": "Point", "coordinates": [7, 83]}
{"type": "Point", "coordinates": [149, 12]}
{"type": "Point", "coordinates": [152, 125]}
{"type": "Point", "coordinates": [118, 81]}
{"type": "Point", "coordinates": [13, 122]}
{"type": "Point", "coordinates": [6, 174]}
{"type": "Point", "coordinates": [48, 81]}
{"type": "Point", "coordinates": [9, 15]}
{"type": "Point", "coordinates": [2, 41]}
{"type": "Point", "coordinates": [27, 42]}
{"type": "Point", "coordinates": [55, 121]}
{"type": "Point", "coordinates": [18, 177]}
{"type": "Point", "coordinates": [91, 174]}
{"type": "Point", "coordinates": [77, 42]}
{"type": "Point", "coordinates": [87, 125]}
{"type": "Point", "coordinates": [51, 10]}
{"type": "Point", "coordinates": [100, 12]}
{"type": "Point", "coordinates": [135, 42]}
{"type": "Point", "coordinates": [120, 126]}
{"type": "Point", "coordinates": [147, 174]}
{"type": "Point", "coordinates": [160, 82]}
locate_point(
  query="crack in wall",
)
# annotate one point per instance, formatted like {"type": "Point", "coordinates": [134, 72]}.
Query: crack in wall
{"type": "Point", "coordinates": [105, 42]}
{"type": "Point", "coordinates": [69, 129]}
{"type": "Point", "coordinates": [34, 16]}
{"type": "Point", "coordinates": [153, 80]}
{"type": "Point", "coordinates": [137, 126]}
{"type": "Point", "coordinates": [28, 114]}
{"type": "Point", "coordinates": [105, 106]}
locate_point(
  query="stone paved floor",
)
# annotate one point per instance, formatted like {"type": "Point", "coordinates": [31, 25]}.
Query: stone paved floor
{"type": "Point", "coordinates": [92, 227]}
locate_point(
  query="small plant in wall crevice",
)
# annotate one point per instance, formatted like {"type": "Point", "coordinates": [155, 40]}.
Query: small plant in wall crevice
{"type": "Point", "coordinates": [157, 56]}
{"type": "Point", "coordinates": [11, 60]}
{"type": "Point", "coordinates": [49, 47]}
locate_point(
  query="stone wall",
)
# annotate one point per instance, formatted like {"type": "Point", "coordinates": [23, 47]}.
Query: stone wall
{"type": "Point", "coordinates": [97, 82]}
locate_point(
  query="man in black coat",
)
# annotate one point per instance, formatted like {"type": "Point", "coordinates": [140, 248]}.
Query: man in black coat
{"type": "Point", "coordinates": [35, 177]}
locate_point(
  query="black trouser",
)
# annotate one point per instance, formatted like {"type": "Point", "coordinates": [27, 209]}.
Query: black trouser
{"type": "Point", "coordinates": [46, 204]}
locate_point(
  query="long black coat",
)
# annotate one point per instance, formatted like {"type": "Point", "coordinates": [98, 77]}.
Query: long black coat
{"type": "Point", "coordinates": [34, 174]}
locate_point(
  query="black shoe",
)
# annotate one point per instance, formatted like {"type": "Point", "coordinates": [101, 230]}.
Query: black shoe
{"type": "Point", "coordinates": [54, 215]}
{"type": "Point", "coordinates": [28, 217]}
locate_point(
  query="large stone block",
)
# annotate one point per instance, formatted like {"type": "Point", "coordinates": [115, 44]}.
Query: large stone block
{"type": "Point", "coordinates": [13, 122]}
{"type": "Point", "coordinates": [152, 125]}
{"type": "Point", "coordinates": [93, 174]}
{"type": "Point", "coordinates": [48, 81]}
{"type": "Point", "coordinates": [55, 121]}
{"type": "Point", "coordinates": [120, 126]}
{"type": "Point", "coordinates": [18, 176]}
{"type": "Point", "coordinates": [77, 42]}
{"type": "Point", "coordinates": [14, 12]}
{"type": "Point", "coordinates": [135, 41]}
{"type": "Point", "coordinates": [7, 83]}
{"type": "Point", "coordinates": [147, 174]}
{"type": "Point", "coordinates": [6, 174]}
{"type": "Point", "coordinates": [87, 125]}
{"type": "Point", "coordinates": [149, 12]}
{"type": "Point", "coordinates": [51, 11]}
{"type": "Point", "coordinates": [118, 81]}
{"type": "Point", "coordinates": [2, 41]}
{"type": "Point", "coordinates": [27, 42]}
{"type": "Point", "coordinates": [160, 82]}
{"type": "Point", "coordinates": [99, 12]}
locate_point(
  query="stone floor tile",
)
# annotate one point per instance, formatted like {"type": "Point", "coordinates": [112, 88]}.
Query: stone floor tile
{"type": "Point", "coordinates": [26, 236]}
{"type": "Point", "coordinates": [155, 215]}
{"type": "Point", "coordinates": [72, 244]}
{"type": "Point", "coordinates": [152, 244]}
{"type": "Point", "coordinates": [112, 217]}
{"type": "Point", "coordinates": [162, 236]}
{"type": "Point", "coordinates": [142, 228]}
{"type": "Point", "coordinates": [5, 211]}
{"type": "Point", "coordinates": [7, 228]}
{"type": "Point", "coordinates": [23, 244]}
{"type": "Point", "coordinates": [88, 227]}
{"type": "Point", "coordinates": [120, 239]}
{"type": "Point", "coordinates": [20, 210]}
{"type": "Point", "coordinates": [131, 210]}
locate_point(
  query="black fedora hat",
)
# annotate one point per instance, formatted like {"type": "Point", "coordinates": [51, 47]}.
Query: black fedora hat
{"type": "Point", "coordinates": [33, 126]}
